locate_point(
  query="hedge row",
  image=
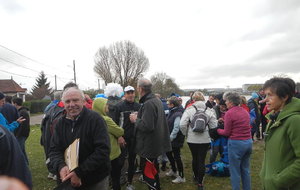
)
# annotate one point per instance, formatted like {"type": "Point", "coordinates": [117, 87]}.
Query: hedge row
{"type": "Point", "coordinates": [36, 106]}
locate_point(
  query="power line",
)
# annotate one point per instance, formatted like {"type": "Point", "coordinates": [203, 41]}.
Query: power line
{"type": "Point", "coordinates": [19, 65]}
{"type": "Point", "coordinates": [28, 57]}
{"type": "Point", "coordinates": [16, 74]}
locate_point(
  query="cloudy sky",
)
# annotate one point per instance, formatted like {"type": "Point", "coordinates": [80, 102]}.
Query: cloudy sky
{"type": "Point", "coordinates": [199, 43]}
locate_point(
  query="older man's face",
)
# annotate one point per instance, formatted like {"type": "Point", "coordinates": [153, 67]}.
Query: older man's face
{"type": "Point", "coordinates": [73, 102]}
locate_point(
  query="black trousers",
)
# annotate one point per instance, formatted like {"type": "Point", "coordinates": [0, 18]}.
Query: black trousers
{"type": "Point", "coordinates": [115, 174]}
{"type": "Point", "coordinates": [175, 159]}
{"type": "Point", "coordinates": [199, 152]}
{"type": "Point", "coordinates": [128, 153]}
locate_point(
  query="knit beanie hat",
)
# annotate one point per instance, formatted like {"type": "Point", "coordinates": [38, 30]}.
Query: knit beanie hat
{"type": "Point", "coordinates": [254, 95]}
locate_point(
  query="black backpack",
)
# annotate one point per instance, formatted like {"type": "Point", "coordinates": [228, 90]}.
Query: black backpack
{"type": "Point", "coordinates": [200, 120]}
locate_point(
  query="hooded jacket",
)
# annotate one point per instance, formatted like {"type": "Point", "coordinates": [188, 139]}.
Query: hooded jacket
{"type": "Point", "coordinates": [152, 132]}
{"type": "Point", "coordinates": [187, 117]}
{"type": "Point", "coordinates": [281, 165]}
{"type": "Point", "coordinates": [113, 129]}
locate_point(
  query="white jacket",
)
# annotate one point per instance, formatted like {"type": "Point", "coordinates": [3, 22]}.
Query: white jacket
{"type": "Point", "coordinates": [187, 117]}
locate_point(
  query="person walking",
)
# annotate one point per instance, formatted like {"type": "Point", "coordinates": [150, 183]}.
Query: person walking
{"type": "Point", "coordinates": [177, 140]}
{"type": "Point", "coordinates": [198, 142]}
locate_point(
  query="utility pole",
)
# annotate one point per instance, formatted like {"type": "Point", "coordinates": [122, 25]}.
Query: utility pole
{"type": "Point", "coordinates": [55, 83]}
{"type": "Point", "coordinates": [74, 71]}
{"type": "Point", "coordinates": [98, 84]}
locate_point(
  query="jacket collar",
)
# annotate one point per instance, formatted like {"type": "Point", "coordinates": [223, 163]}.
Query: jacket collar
{"type": "Point", "coordinates": [146, 97]}
{"type": "Point", "coordinates": [288, 110]}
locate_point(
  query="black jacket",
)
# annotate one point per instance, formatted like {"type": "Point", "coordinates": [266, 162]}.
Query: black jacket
{"type": "Point", "coordinates": [152, 132]}
{"type": "Point", "coordinates": [94, 148]}
{"type": "Point", "coordinates": [24, 129]}
{"type": "Point", "coordinates": [12, 159]}
{"type": "Point", "coordinates": [209, 104]}
{"type": "Point", "coordinates": [253, 105]}
{"type": "Point", "coordinates": [9, 112]}
{"type": "Point", "coordinates": [123, 110]}
{"type": "Point", "coordinates": [173, 114]}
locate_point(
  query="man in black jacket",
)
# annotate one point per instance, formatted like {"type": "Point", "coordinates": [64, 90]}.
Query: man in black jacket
{"type": "Point", "coordinates": [22, 132]}
{"type": "Point", "coordinates": [152, 132]}
{"type": "Point", "coordinates": [123, 111]}
{"type": "Point", "coordinates": [94, 147]}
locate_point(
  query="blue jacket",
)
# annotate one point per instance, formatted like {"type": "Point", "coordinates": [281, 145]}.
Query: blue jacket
{"type": "Point", "coordinates": [11, 127]}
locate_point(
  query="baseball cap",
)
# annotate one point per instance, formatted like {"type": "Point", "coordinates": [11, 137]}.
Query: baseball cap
{"type": "Point", "coordinates": [128, 88]}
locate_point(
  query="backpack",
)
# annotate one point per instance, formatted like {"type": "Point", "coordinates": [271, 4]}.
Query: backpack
{"type": "Point", "coordinates": [218, 169]}
{"type": "Point", "coordinates": [200, 120]}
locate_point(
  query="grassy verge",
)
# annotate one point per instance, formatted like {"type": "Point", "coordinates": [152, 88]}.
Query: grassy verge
{"type": "Point", "coordinates": [40, 181]}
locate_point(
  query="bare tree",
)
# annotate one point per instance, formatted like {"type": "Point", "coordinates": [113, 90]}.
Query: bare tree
{"type": "Point", "coordinates": [121, 63]}
{"type": "Point", "coordinates": [164, 85]}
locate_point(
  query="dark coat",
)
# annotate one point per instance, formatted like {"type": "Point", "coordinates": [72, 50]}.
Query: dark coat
{"type": "Point", "coordinates": [123, 110]}
{"type": "Point", "coordinates": [24, 128]}
{"type": "Point", "coordinates": [12, 159]}
{"type": "Point", "coordinates": [94, 148]}
{"type": "Point", "coordinates": [152, 132]}
{"type": "Point", "coordinates": [173, 114]}
{"type": "Point", "coordinates": [9, 112]}
{"type": "Point", "coordinates": [209, 104]}
{"type": "Point", "coordinates": [253, 105]}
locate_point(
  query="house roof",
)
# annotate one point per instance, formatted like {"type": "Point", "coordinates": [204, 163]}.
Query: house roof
{"type": "Point", "coordinates": [10, 86]}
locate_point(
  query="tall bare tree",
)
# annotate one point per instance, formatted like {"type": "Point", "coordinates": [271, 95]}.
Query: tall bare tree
{"type": "Point", "coordinates": [123, 62]}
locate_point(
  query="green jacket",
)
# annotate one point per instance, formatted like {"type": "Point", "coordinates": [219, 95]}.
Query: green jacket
{"type": "Point", "coordinates": [281, 165]}
{"type": "Point", "coordinates": [113, 129]}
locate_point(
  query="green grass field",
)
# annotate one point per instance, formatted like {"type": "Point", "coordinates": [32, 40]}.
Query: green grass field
{"type": "Point", "coordinates": [40, 181]}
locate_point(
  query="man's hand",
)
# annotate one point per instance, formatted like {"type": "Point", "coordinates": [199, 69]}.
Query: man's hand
{"type": "Point", "coordinates": [133, 117]}
{"type": "Point", "coordinates": [20, 120]}
{"type": "Point", "coordinates": [75, 180]}
{"type": "Point", "coordinates": [64, 172]}
{"type": "Point", "coordinates": [121, 142]}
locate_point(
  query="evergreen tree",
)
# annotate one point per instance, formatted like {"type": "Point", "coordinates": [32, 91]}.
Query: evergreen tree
{"type": "Point", "coordinates": [41, 88]}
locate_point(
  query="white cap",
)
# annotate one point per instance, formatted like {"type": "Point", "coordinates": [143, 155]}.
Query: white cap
{"type": "Point", "coordinates": [128, 88]}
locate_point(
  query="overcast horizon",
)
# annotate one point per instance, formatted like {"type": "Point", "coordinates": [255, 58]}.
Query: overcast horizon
{"type": "Point", "coordinates": [200, 44]}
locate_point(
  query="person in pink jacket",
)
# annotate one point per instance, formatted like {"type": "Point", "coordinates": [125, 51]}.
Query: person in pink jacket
{"type": "Point", "coordinates": [237, 128]}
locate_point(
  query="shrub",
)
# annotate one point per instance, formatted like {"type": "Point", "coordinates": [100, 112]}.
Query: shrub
{"type": "Point", "coordinates": [36, 106]}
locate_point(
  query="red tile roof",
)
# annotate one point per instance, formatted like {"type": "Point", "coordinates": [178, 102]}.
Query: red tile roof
{"type": "Point", "coordinates": [10, 86]}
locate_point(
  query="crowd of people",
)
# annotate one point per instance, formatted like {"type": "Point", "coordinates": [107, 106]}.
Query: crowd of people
{"type": "Point", "coordinates": [121, 135]}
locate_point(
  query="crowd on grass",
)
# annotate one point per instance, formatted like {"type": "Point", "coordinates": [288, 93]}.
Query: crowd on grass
{"type": "Point", "coordinates": [132, 131]}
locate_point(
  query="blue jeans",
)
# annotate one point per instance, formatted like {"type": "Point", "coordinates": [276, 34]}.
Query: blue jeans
{"type": "Point", "coordinates": [239, 152]}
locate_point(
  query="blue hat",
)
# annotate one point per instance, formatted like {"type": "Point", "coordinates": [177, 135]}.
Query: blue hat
{"type": "Point", "coordinates": [254, 95]}
{"type": "Point", "coordinates": [100, 96]}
